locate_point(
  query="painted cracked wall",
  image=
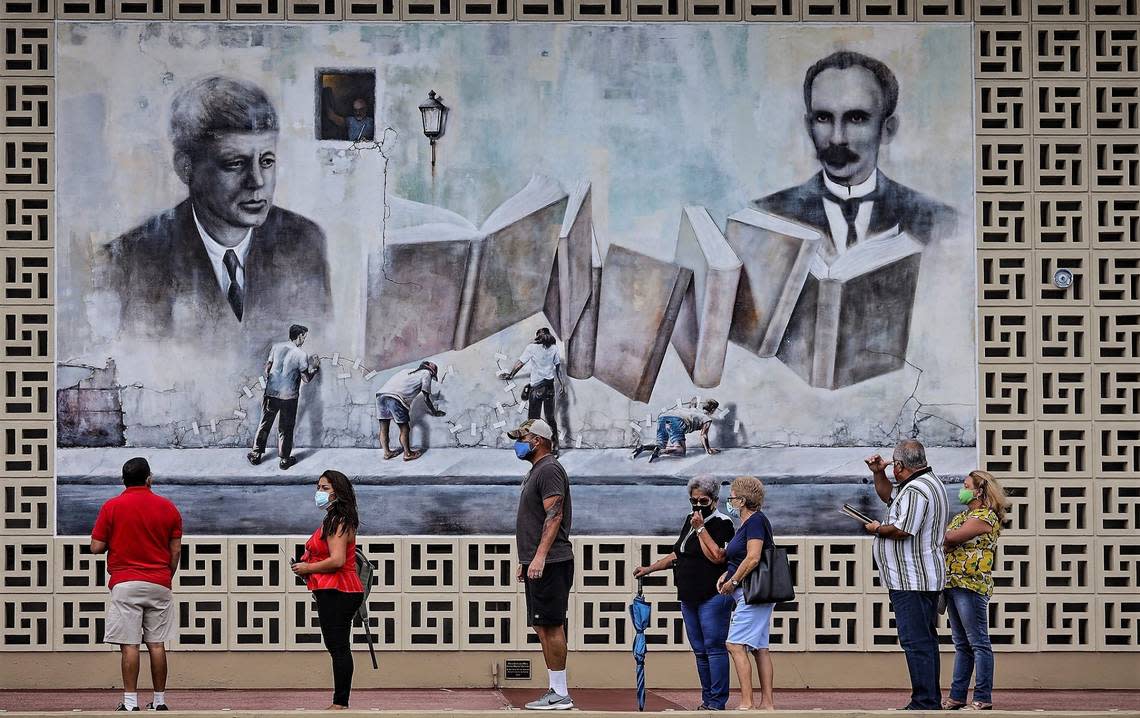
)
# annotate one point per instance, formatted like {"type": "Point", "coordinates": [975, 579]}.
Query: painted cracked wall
{"type": "Point", "coordinates": [656, 119]}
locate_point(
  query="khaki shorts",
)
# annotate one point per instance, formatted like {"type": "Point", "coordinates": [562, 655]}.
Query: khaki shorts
{"type": "Point", "coordinates": [139, 612]}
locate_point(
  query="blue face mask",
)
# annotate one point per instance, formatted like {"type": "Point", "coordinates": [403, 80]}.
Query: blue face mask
{"type": "Point", "coordinates": [732, 510]}
{"type": "Point", "coordinates": [322, 500]}
{"type": "Point", "coordinates": [523, 449]}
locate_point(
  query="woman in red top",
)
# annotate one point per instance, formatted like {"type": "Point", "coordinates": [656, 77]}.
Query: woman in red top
{"type": "Point", "coordinates": [329, 565]}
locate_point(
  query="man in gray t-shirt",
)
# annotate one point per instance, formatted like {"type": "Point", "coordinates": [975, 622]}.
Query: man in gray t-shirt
{"type": "Point", "coordinates": [546, 557]}
{"type": "Point", "coordinates": [285, 370]}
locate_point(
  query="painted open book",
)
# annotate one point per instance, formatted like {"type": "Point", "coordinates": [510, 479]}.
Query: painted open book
{"type": "Point", "coordinates": [438, 282]}
{"type": "Point", "coordinates": [835, 318]}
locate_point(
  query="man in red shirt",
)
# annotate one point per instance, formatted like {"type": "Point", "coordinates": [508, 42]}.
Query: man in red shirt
{"type": "Point", "coordinates": [141, 533]}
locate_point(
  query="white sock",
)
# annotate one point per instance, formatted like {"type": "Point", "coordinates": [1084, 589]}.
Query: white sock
{"type": "Point", "coordinates": [159, 698]}
{"type": "Point", "coordinates": [558, 682]}
{"type": "Point", "coordinates": [130, 700]}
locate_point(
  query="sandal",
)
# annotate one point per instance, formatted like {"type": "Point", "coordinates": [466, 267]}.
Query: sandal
{"type": "Point", "coordinates": [949, 704]}
{"type": "Point", "coordinates": [979, 706]}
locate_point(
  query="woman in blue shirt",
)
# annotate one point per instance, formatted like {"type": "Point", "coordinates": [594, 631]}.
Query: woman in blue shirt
{"type": "Point", "coordinates": [748, 629]}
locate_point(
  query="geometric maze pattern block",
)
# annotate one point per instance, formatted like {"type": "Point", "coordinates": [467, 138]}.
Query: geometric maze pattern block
{"type": "Point", "coordinates": [25, 622]}
{"type": "Point", "coordinates": [27, 276]}
{"type": "Point", "coordinates": [77, 569]}
{"type": "Point", "coordinates": [201, 621]}
{"type": "Point", "coordinates": [26, 565]}
{"type": "Point", "coordinates": [203, 565]}
{"type": "Point", "coordinates": [26, 448]}
{"type": "Point", "coordinates": [27, 392]}
{"type": "Point", "coordinates": [80, 621]}
{"type": "Point", "coordinates": [27, 507]}
{"type": "Point", "coordinates": [1068, 623]}
{"type": "Point", "coordinates": [26, 219]}
{"type": "Point", "coordinates": [256, 621]}
{"type": "Point", "coordinates": [603, 564]}
{"type": "Point", "coordinates": [431, 565]}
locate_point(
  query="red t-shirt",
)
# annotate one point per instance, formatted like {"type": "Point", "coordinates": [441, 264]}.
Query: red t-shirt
{"type": "Point", "coordinates": [137, 526]}
{"type": "Point", "coordinates": [345, 579]}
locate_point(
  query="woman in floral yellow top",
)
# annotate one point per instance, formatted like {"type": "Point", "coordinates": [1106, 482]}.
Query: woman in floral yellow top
{"type": "Point", "coordinates": [971, 541]}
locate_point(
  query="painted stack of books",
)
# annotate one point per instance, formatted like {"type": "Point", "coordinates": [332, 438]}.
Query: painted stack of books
{"type": "Point", "coordinates": [770, 285]}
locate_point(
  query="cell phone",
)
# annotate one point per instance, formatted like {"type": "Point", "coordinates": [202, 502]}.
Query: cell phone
{"type": "Point", "coordinates": [292, 560]}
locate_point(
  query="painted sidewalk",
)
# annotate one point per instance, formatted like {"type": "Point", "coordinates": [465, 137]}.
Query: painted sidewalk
{"type": "Point", "coordinates": [460, 701]}
{"type": "Point", "coordinates": [474, 491]}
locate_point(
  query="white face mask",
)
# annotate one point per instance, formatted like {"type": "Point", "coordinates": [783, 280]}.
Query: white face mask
{"type": "Point", "coordinates": [322, 499]}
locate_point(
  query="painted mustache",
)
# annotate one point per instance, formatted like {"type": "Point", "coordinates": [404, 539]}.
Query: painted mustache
{"type": "Point", "coordinates": [837, 155]}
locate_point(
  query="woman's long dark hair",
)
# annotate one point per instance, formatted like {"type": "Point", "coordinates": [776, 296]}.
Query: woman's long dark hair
{"type": "Point", "coordinates": [341, 514]}
{"type": "Point", "coordinates": [544, 337]}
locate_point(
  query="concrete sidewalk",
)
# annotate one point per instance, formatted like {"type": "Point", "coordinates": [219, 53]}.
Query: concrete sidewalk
{"type": "Point", "coordinates": [475, 491]}
{"type": "Point", "coordinates": [458, 702]}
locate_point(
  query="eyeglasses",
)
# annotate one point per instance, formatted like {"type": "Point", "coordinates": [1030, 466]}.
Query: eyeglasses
{"type": "Point", "coordinates": [734, 498]}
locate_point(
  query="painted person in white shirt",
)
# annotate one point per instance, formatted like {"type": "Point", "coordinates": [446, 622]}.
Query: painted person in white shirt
{"type": "Point", "coordinates": [394, 401]}
{"type": "Point", "coordinates": [674, 424]}
{"type": "Point", "coordinates": [285, 370]}
{"type": "Point", "coordinates": [545, 369]}
{"type": "Point", "coordinates": [908, 548]}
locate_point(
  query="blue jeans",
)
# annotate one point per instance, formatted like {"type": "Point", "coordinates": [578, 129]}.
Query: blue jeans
{"type": "Point", "coordinates": [707, 627]}
{"type": "Point", "coordinates": [916, 614]}
{"type": "Point", "coordinates": [670, 429]}
{"type": "Point", "coordinates": [970, 626]}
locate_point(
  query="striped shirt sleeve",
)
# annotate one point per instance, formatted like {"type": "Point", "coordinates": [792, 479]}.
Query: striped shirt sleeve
{"type": "Point", "coordinates": [910, 508]}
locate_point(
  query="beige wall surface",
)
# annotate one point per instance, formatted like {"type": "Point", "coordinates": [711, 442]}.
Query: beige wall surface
{"type": "Point", "coordinates": [597, 670]}
{"type": "Point", "coordinates": [1057, 156]}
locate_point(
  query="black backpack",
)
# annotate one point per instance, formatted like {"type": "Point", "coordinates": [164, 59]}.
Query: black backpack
{"type": "Point", "coordinates": [365, 570]}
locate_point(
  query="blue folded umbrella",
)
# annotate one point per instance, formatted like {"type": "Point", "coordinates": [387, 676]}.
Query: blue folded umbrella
{"type": "Point", "coordinates": [639, 613]}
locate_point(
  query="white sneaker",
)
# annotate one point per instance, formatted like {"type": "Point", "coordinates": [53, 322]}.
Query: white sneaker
{"type": "Point", "coordinates": [551, 702]}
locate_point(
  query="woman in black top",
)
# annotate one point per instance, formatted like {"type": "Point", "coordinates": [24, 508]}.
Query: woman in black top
{"type": "Point", "coordinates": [697, 561]}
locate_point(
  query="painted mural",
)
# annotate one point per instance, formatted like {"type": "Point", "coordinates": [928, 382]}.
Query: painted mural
{"type": "Point", "coordinates": [284, 245]}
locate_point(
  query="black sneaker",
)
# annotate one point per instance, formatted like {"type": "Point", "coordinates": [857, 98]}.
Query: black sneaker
{"type": "Point", "coordinates": [287, 462]}
{"type": "Point", "coordinates": [152, 707]}
{"type": "Point", "coordinates": [655, 455]}
{"type": "Point", "coordinates": [123, 707]}
{"type": "Point", "coordinates": [253, 457]}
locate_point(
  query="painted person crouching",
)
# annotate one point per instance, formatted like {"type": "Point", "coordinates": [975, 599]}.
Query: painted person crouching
{"type": "Point", "coordinates": [674, 424]}
{"type": "Point", "coordinates": [697, 561]}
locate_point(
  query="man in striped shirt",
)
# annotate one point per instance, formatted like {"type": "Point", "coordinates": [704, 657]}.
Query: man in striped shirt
{"type": "Point", "coordinates": [908, 549]}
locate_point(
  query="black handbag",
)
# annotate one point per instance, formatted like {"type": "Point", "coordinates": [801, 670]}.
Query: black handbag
{"type": "Point", "coordinates": [771, 581]}
{"type": "Point", "coordinates": [524, 395]}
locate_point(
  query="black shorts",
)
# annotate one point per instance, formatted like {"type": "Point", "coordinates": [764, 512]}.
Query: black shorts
{"type": "Point", "coordinates": [547, 597]}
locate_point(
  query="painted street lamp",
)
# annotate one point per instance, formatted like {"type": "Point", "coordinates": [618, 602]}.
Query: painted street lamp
{"type": "Point", "coordinates": [434, 115]}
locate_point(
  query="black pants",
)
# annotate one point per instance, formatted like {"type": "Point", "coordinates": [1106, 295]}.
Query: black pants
{"type": "Point", "coordinates": [542, 401]}
{"type": "Point", "coordinates": [335, 610]}
{"type": "Point", "coordinates": [270, 409]}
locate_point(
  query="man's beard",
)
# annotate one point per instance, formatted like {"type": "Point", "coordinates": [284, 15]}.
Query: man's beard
{"type": "Point", "coordinates": [837, 155]}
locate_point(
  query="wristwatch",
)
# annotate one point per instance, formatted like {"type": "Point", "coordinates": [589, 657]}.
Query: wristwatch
{"type": "Point", "coordinates": [734, 582]}
{"type": "Point", "coordinates": [698, 531]}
